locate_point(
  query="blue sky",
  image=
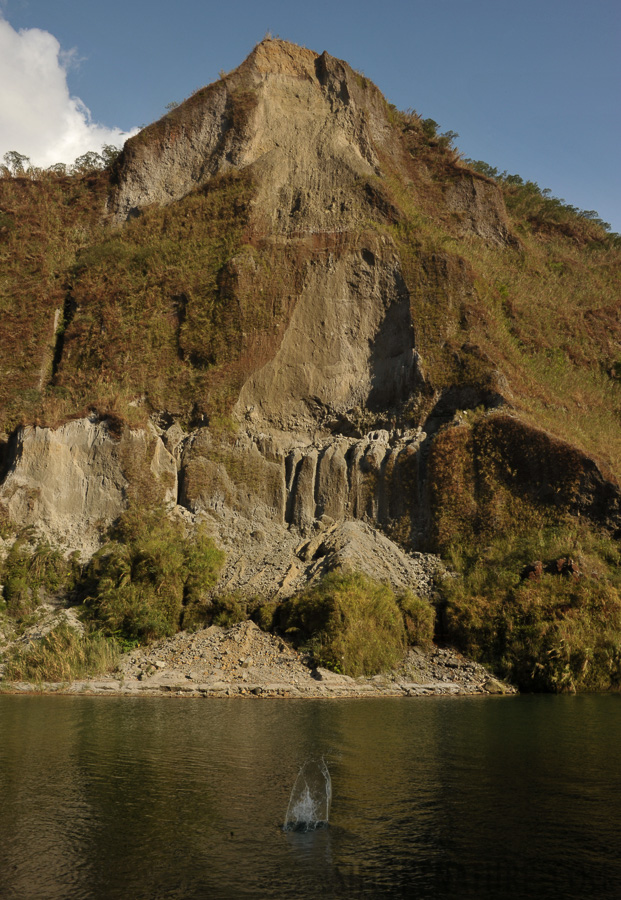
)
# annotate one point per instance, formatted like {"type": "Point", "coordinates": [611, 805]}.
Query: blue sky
{"type": "Point", "coordinates": [530, 86]}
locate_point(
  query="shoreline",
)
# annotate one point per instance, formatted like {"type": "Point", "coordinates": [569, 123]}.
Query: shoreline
{"type": "Point", "coordinates": [270, 692]}
{"type": "Point", "coordinates": [245, 662]}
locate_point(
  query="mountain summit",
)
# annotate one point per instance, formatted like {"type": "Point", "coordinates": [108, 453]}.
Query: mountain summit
{"type": "Point", "coordinates": [309, 129]}
{"type": "Point", "coordinates": [317, 142]}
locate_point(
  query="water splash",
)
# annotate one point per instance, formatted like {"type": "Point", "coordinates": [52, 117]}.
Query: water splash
{"type": "Point", "coordinates": [311, 795]}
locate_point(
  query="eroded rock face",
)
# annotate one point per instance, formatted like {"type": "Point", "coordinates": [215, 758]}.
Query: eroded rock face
{"type": "Point", "coordinates": [287, 512]}
{"type": "Point", "coordinates": [343, 335]}
{"type": "Point", "coordinates": [273, 481]}
{"type": "Point", "coordinates": [374, 479]}
{"type": "Point", "coordinates": [237, 475]}
{"type": "Point", "coordinates": [71, 483]}
{"type": "Point", "coordinates": [306, 124]}
{"type": "Point", "coordinates": [349, 343]}
{"type": "Point", "coordinates": [479, 208]}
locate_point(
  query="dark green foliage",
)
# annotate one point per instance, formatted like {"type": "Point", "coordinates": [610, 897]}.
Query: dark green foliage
{"type": "Point", "coordinates": [139, 583]}
{"type": "Point", "coordinates": [502, 501]}
{"type": "Point", "coordinates": [33, 572]}
{"type": "Point", "coordinates": [110, 154]}
{"type": "Point", "coordinates": [226, 610]}
{"type": "Point", "coordinates": [430, 128]}
{"type": "Point", "coordinates": [419, 618]}
{"type": "Point", "coordinates": [350, 623]}
{"type": "Point", "coordinates": [482, 167]}
{"type": "Point", "coordinates": [88, 162]}
{"type": "Point", "coordinates": [447, 139]}
{"type": "Point", "coordinates": [265, 615]}
{"type": "Point", "coordinates": [16, 163]}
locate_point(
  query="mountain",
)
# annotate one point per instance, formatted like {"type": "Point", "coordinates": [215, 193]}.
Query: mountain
{"type": "Point", "coordinates": [296, 315]}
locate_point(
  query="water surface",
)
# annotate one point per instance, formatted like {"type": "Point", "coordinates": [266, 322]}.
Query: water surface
{"type": "Point", "coordinates": [431, 797]}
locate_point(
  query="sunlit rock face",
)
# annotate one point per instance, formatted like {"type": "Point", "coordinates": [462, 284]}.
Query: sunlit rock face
{"type": "Point", "coordinates": [71, 483]}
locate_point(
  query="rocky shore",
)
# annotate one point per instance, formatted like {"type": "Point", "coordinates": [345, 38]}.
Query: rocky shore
{"type": "Point", "coordinates": [244, 661]}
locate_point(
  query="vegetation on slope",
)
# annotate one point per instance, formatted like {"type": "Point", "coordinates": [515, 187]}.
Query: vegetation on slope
{"type": "Point", "coordinates": [354, 625]}
{"type": "Point", "coordinates": [534, 319]}
{"type": "Point", "coordinates": [138, 585]}
{"type": "Point", "coordinates": [541, 603]}
{"type": "Point", "coordinates": [170, 312]}
{"type": "Point", "coordinates": [137, 588]}
{"type": "Point", "coordinates": [33, 572]}
{"type": "Point", "coordinates": [154, 285]}
{"type": "Point", "coordinates": [44, 222]}
{"type": "Point", "coordinates": [63, 655]}
{"type": "Point", "coordinates": [537, 588]}
{"type": "Point", "coordinates": [533, 323]}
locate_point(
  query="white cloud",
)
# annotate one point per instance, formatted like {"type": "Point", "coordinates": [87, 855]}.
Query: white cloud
{"type": "Point", "coordinates": [38, 116]}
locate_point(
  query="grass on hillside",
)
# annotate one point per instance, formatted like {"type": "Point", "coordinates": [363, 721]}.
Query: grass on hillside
{"type": "Point", "coordinates": [151, 317]}
{"type": "Point", "coordinates": [538, 319]}
{"type": "Point", "coordinates": [44, 223]}
{"type": "Point", "coordinates": [33, 572]}
{"type": "Point", "coordinates": [559, 629]}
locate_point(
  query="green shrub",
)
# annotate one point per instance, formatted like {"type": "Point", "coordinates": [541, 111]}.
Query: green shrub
{"type": "Point", "coordinates": [430, 128]}
{"type": "Point", "coordinates": [264, 614]}
{"type": "Point", "coordinates": [419, 618]}
{"type": "Point", "coordinates": [197, 614]}
{"type": "Point", "coordinates": [226, 610]}
{"type": "Point", "coordinates": [33, 571]}
{"type": "Point", "coordinates": [139, 584]}
{"type": "Point", "coordinates": [63, 655]}
{"type": "Point", "coordinates": [350, 623]}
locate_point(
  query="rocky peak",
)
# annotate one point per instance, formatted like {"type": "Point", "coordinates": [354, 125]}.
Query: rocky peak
{"type": "Point", "coordinates": [273, 56]}
{"type": "Point", "coordinates": [306, 125]}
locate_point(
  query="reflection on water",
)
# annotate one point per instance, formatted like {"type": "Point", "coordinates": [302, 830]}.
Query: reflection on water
{"type": "Point", "coordinates": [432, 797]}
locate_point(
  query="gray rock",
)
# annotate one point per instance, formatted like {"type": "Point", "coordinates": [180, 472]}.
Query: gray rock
{"type": "Point", "coordinates": [303, 512]}
{"type": "Point", "coordinates": [493, 686]}
{"type": "Point", "coordinates": [70, 483]}
{"type": "Point", "coordinates": [332, 482]}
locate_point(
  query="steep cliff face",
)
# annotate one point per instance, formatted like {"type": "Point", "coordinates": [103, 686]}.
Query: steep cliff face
{"type": "Point", "coordinates": [307, 125]}
{"type": "Point", "coordinates": [349, 343]}
{"type": "Point", "coordinates": [301, 258]}
{"type": "Point", "coordinates": [322, 334]}
{"type": "Point", "coordinates": [72, 483]}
